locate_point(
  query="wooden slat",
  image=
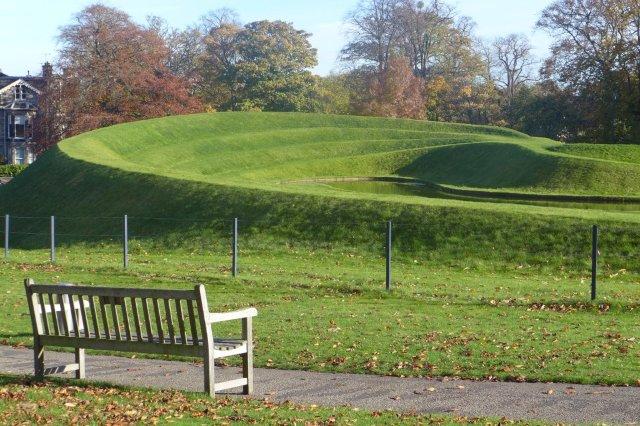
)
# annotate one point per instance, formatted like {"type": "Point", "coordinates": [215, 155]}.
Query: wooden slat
{"type": "Point", "coordinates": [123, 346]}
{"type": "Point", "coordinates": [192, 320]}
{"type": "Point", "coordinates": [83, 315]}
{"type": "Point", "coordinates": [61, 369]}
{"type": "Point", "coordinates": [116, 292]}
{"type": "Point", "coordinates": [167, 314]}
{"type": "Point", "coordinates": [136, 318]}
{"type": "Point", "coordinates": [74, 318]}
{"type": "Point", "coordinates": [105, 320]}
{"type": "Point", "coordinates": [183, 332]}
{"type": "Point", "coordinates": [147, 319]}
{"type": "Point", "coordinates": [159, 328]}
{"type": "Point", "coordinates": [53, 314]}
{"type": "Point", "coordinates": [116, 320]}
{"type": "Point", "coordinates": [125, 318]}
{"type": "Point", "coordinates": [43, 310]}
{"type": "Point", "coordinates": [63, 310]}
{"type": "Point", "coordinates": [230, 384]}
{"type": "Point", "coordinates": [228, 316]}
{"type": "Point", "coordinates": [94, 315]}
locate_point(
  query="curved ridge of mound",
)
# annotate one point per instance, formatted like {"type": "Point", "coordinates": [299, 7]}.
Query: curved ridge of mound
{"type": "Point", "coordinates": [259, 149]}
{"type": "Point", "coordinates": [217, 166]}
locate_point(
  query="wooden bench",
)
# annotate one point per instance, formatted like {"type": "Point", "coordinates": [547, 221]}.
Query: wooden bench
{"type": "Point", "coordinates": [168, 322]}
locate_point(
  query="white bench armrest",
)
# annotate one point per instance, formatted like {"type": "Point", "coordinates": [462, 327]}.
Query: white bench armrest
{"type": "Point", "coordinates": [228, 316]}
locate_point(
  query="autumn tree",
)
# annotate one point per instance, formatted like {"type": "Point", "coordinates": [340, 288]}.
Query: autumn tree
{"type": "Point", "coordinates": [115, 70]}
{"type": "Point", "coordinates": [398, 92]}
{"type": "Point", "coordinates": [50, 123]}
{"type": "Point", "coordinates": [437, 44]}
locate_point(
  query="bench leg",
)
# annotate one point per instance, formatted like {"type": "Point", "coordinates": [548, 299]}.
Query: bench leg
{"type": "Point", "coordinates": [38, 360]}
{"type": "Point", "coordinates": [247, 359]}
{"type": "Point", "coordinates": [209, 375]}
{"type": "Point", "coordinates": [80, 374]}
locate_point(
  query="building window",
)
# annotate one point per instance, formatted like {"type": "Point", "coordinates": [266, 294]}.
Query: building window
{"type": "Point", "coordinates": [19, 155]}
{"type": "Point", "coordinates": [19, 126]}
{"type": "Point", "coordinates": [21, 93]}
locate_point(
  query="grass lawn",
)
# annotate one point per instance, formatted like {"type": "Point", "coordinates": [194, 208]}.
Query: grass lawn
{"type": "Point", "coordinates": [481, 290]}
{"type": "Point", "coordinates": [59, 402]}
{"type": "Point", "coordinates": [325, 309]}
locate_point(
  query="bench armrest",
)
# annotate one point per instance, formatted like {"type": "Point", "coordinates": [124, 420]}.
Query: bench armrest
{"type": "Point", "coordinates": [228, 316]}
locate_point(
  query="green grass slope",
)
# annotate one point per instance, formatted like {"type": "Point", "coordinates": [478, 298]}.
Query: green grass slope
{"type": "Point", "coordinates": [212, 167]}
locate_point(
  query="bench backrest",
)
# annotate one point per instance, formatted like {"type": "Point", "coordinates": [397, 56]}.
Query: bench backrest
{"type": "Point", "coordinates": [147, 316]}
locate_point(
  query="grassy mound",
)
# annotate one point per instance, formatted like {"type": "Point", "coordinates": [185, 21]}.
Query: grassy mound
{"type": "Point", "coordinates": [212, 167]}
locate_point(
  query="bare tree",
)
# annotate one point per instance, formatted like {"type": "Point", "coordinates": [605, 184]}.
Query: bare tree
{"type": "Point", "coordinates": [374, 33]}
{"type": "Point", "coordinates": [424, 28]}
{"type": "Point", "coordinates": [511, 63]}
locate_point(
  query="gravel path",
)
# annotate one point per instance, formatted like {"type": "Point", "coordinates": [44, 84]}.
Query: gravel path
{"type": "Point", "coordinates": [552, 402]}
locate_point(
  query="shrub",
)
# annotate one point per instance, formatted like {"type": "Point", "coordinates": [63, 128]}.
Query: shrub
{"type": "Point", "coordinates": [11, 169]}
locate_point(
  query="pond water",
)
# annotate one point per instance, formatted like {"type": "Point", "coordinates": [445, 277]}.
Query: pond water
{"type": "Point", "coordinates": [420, 190]}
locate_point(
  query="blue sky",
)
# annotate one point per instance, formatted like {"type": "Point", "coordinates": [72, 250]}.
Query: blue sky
{"type": "Point", "coordinates": [29, 31]}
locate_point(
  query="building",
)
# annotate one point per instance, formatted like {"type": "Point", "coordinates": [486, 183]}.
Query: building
{"type": "Point", "coordinates": [18, 108]}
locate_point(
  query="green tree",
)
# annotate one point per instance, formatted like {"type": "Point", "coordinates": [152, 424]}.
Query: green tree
{"type": "Point", "coordinates": [261, 66]}
{"type": "Point", "coordinates": [596, 57]}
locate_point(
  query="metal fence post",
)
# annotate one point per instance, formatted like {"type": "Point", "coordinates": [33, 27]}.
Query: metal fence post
{"type": "Point", "coordinates": [53, 239]}
{"type": "Point", "coordinates": [125, 243]}
{"type": "Point", "coordinates": [234, 248]}
{"type": "Point", "coordinates": [389, 230]}
{"type": "Point", "coordinates": [7, 227]}
{"type": "Point", "coordinates": [594, 261]}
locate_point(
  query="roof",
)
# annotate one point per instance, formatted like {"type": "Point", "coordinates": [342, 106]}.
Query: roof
{"type": "Point", "coordinates": [18, 82]}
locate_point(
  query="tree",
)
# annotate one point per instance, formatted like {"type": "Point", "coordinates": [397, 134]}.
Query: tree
{"type": "Point", "coordinates": [50, 122]}
{"type": "Point", "coordinates": [263, 65]}
{"type": "Point", "coordinates": [511, 61]}
{"type": "Point", "coordinates": [425, 27]}
{"type": "Point", "coordinates": [546, 110]}
{"type": "Point", "coordinates": [374, 34]}
{"type": "Point", "coordinates": [596, 57]}
{"type": "Point", "coordinates": [439, 48]}
{"type": "Point", "coordinates": [114, 70]}
{"type": "Point", "coordinates": [399, 93]}
{"type": "Point", "coordinates": [333, 94]}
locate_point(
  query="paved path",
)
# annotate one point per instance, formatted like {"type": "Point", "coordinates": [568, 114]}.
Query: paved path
{"type": "Point", "coordinates": [553, 402]}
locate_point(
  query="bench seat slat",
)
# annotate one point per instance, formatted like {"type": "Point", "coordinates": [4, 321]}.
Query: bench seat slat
{"type": "Point", "coordinates": [124, 346]}
{"type": "Point", "coordinates": [222, 348]}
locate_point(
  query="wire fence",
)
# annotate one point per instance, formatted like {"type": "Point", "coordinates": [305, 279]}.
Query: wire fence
{"type": "Point", "coordinates": [386, 244]}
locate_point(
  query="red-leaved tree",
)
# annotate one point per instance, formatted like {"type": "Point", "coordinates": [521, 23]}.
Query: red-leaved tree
{"type": "Point", "coordinates": [114, 71]}
{"type": "Point", "coordinates": [396, 92]}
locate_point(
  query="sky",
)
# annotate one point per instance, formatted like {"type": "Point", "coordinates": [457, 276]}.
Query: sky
{"type": "Point", "coordinates": [26, 47]}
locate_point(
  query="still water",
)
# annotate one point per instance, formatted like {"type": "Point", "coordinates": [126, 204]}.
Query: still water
{"type": "Point", "coordinates": [413, 189]}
